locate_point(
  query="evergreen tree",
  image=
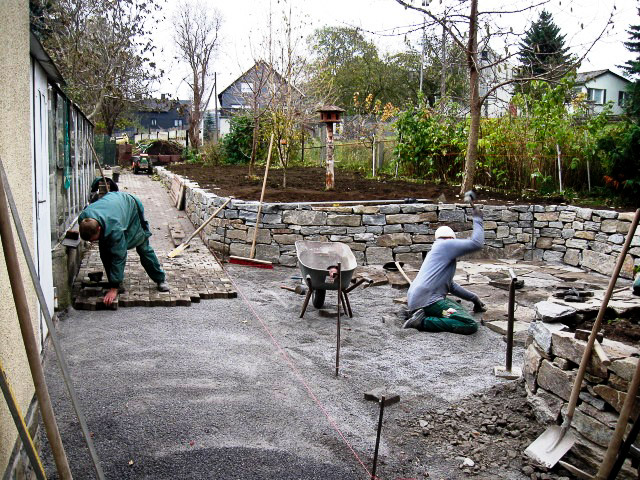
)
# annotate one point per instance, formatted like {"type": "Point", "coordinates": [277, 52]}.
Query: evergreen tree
{"type": "Point", "coordinates": [209, 126]}
{"type": "Point", "coordinates": [542, 51]}
{"type": "Point", "coordinates": [632, 67]}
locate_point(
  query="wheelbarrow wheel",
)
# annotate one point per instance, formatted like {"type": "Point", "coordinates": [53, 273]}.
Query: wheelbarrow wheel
{"type": "Point", "coordinates": [318, 297]}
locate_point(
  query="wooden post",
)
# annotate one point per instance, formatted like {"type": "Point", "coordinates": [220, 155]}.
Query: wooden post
{"type": "Point", "coordinates": [330, 178]}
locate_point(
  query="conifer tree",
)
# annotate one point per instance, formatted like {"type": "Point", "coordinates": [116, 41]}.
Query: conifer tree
{"type": "Point", "coordinates": [632, 67]}
{"type": "Point", "coordinates": [542, 51]}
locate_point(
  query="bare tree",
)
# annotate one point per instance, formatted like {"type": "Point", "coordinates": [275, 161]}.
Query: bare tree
{"type": "Point", "coordinates": [464, 29]}
{"type": "Point", "coordinates": [197, 29]}
{"type": "Point", "coordinates": [104, 52]}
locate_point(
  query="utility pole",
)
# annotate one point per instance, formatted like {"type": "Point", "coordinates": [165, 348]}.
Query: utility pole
{"type": "Point", "coordinates": [216, 132]}
{"type": "Point", "coordinates": [443, 69]}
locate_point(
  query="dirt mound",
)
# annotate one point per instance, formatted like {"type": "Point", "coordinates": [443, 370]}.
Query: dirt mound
{"type": "Point", "coordinates": [164, 147]}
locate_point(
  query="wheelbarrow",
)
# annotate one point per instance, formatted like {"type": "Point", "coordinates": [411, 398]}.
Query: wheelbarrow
{"type": "Point", "coordinates": [321, 263]}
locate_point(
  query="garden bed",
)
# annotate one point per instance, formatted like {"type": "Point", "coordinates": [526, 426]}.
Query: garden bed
{"type": "Point", "coordinates": [306, 184]}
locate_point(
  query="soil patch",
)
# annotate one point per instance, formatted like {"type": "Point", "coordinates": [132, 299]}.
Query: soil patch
{"type": "Point", "coordinates": [306, 184]}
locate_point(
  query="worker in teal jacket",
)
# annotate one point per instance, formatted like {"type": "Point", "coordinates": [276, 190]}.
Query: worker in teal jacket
{"type": "Point", "coordinates": [117, 222]}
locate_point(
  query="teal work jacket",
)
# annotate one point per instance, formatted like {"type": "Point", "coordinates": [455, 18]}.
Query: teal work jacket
{"type": "Point", "coordinates": [121, 217]}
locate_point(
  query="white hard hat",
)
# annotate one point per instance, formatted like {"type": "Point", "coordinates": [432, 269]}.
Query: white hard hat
{"type": "Point", "coordinates": [445, 232]}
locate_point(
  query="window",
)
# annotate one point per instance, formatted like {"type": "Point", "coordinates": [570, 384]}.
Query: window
{"type": "Point", "coordinates": [623, 98]}
{"type": "Point", "coordinates": [246, 88]}
{"type": "Point", "coordinates": [597, 95]}
{"type": "Point", "coordinates": [154, 122]}
{"type": "Point", "coordinates": [177, 122]}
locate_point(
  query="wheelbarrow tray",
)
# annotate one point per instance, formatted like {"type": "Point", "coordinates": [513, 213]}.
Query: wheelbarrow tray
{"type": "Point", "coordinates": [315, 258]}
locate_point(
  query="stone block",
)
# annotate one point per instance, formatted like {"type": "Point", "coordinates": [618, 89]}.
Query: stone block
{"type": "Point", "coordinates": [264, 235]}
{"type": "Point", "coordinates": [605, 264]}
{"type": "Point", "coordinates": [364, 237]}
{"type": "Point", "coordinates": [340, 238]}
{"type": "Point", "coordinates": [393, 239]}
{"type": "Point", "coordinates": [344, 220]}
{"type": "Point", "coordinates": [354, 230]}
{"type": "Point", "coordinates": [378, 255]}
{"type": "Point", "coordinates": [451, 216]}
{"type": "Point", "coordinates": [544, 242]}
{"type": "Point", "coordinates": [510, 215]}
{"type": "Point", "coordinates": [403, 218]}
{"type": "Point", "coordinates": [555, 380]}
{"type": "Point", "coordinates": [572, 257]}
{"type": "Point", "coordinates": [390, 209]}
{"type": "Point", "coordinates": [526, 216]}
{"type": "Point", "coordinates": [270, 253]}
{"type": "Point", "coordinates": [550, 312]}
{"type": "Point", "coordinates": [286, 239]}
{"type": "Point", "coordinates": [585, 235]}
{"type": "Point", "coordinates": [413, 259]}
{"type": "Point", "coordinates": [617, 239]}
{"type": "Point", "coordinates": [502, 232]}
{"type": "Point", "coordinates": [532, 360]}
{"type": "Point", "coordinates": [364, 209]}
{"type": "Point", "coordinates": [304, 217]}
{"type": "Point", "coordinates": [550, 256]}
{"type": "Point", "coordinates": [375, 229]}
{"type": "Point", "coordinates": [374, 219]}
{"type": "Point", "coordinates": [576, 243]}
{"type": "Point", "coordinates": [564, 344]}
{"type": "Point", "coordinates": [288, 260]}
{"type": "Point", "coordinates": [393, 229]}
{"type": "Point", "coordinates": [592, 226]}
{"type": "Point", "coordinates": [334, 209]}
{"type": "Point", "coordinates": [584, 213]}
{"type": "Point", "coordinates": [416, 228]}
{"type": "Point", "coordinates": [591, 428]}
{"type": "Point", "coordinates": [490, 225]}
{"type": "Point", "coordinates": [609, 226]}
{"type": "Point", "coordinates": [546, 216]}
{"type": "Point", "coordinates": [546, 406]}
{"type": "Point", "coordinates": [542, 335]}
{"type": "Point", "coordinates": [551, 232]}
{"type": "Point", "coordinates": [514, 251]}
{"type": "Point", "coordinates": [608, 214]}
{"type": "Point", "coordinates": [239, 249]}
{"type": "Point", "coordinates": [568, 233]}
{"type": "Point", "coordinates": [623, 227]}
{"type": "Point", "coordinates": [624, 367]}
{"type": "Point", "coordinates": [567, 216]}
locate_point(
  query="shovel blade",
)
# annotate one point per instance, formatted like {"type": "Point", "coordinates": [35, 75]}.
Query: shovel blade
{"type": "Point", "coordinates": [544, 449]}
{"type": "Point", "coordinates": [178, 250]}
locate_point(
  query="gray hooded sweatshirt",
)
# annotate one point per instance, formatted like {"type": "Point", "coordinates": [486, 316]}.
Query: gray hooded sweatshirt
{"type": "Point", "coordinates": [435, 278]}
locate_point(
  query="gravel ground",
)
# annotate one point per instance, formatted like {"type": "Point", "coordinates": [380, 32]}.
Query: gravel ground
{"type": "Point", "coordinates": [210, 391]}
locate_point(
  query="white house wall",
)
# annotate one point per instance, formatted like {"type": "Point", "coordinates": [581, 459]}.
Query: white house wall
{"type": "Point", "coordinates": [613, 85]}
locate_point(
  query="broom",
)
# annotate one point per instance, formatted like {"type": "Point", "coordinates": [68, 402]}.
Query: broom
{"type": "Point", "coordinates": [252, 262]}
{"type": "Point", "coordinates": [180, 248]}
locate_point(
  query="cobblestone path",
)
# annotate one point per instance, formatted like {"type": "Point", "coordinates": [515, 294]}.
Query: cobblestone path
{"type": "Point", "coordinates": [194, 275]}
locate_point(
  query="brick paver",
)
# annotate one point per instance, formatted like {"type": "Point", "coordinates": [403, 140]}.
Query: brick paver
{"type": "Point", "coordinates": [194, 275]}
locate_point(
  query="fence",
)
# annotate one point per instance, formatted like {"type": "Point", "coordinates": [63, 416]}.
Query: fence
{"type": "Point", "coordinates": [106, 149]}
{"type": "Point", "coordinates": [369, 158]}
{"type": "Point", "coordinates": [179, 136]}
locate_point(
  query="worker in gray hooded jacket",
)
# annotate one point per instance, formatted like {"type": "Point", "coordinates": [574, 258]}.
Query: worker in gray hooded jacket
{"type": "Point", "coordinates": [434, 312]}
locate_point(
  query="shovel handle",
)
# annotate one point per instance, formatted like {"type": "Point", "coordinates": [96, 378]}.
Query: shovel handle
{"type": "Point", "coordinates": [575, 391]}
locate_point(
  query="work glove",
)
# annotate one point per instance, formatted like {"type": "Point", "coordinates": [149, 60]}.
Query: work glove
{"type": "Point", "coordinates": [479, 306]}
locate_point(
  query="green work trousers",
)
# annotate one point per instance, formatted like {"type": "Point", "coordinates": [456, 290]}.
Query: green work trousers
{"type": "Point", "coordinates": [636, 286]}
{"type": "Point", "coordinates": [458, 322]}
{"type": "Point", "coordinates": [148, 259]}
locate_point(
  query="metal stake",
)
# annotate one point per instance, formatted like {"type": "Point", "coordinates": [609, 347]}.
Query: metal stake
{"type": "Point", "coordinates": [338, 322]}
{"type": "Point", "coordinates": [375, 452]}
{"type": "Point", "coordinates": [508, 372]}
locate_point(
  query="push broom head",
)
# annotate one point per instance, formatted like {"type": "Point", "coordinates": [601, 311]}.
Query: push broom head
{"type": "Point", "coordinates": [250, 262]}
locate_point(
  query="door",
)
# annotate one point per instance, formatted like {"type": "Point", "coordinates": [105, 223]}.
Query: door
{"type": "Point", "coordinates": [42, 215]}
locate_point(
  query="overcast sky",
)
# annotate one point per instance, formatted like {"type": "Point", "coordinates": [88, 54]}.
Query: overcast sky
{"type": "Point", "coordinates": [243, 21]}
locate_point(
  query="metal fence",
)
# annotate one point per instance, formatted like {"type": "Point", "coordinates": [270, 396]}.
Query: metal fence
{"type": "Point", "coordinates": [106, 149]}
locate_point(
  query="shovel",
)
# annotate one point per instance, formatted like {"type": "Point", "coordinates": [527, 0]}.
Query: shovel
{"type": "Point", "coordinates": [181, 248]}
{"type": "Point", "coordinates": [556, 440]}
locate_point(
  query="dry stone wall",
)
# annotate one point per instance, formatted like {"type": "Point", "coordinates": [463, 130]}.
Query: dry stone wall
{"type": "Point", "coordinates": [583, 237]}
{"type": "Point", "coordinates": [550, 368]}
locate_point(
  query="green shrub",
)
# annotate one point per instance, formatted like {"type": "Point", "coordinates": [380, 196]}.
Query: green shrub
{"type": "Point", "coordinates": [237, 143]}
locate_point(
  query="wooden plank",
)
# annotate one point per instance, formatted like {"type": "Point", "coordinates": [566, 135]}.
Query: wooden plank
{"type": "Point", "coordinates": [174, 191]}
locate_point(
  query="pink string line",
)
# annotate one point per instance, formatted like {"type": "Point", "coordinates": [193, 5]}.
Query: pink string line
{"type": "Point", "coordinates": [299, 375]}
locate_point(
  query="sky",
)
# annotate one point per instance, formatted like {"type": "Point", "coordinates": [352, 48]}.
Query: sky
{"type": "Point", "coordinates": [384, 22]}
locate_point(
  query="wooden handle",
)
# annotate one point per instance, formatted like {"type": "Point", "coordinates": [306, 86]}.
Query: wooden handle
{"type": "Point", "coordinates": [402, 272]}
{"type": "Point", "coordinates": [252, 253]}
{"type": "Point", "coordinates": [206, 222]}
{"type": "Point", "coordinates": [604, 358]}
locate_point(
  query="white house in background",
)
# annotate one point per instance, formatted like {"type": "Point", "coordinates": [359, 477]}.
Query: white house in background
{"type": "Point", "coordinates": [494, 73]}
{"type": "Point", "coordinates": [602, 87]}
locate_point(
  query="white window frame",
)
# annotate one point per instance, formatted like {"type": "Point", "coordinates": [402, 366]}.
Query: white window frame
{"type": "Point", "coordinates": [623, 98]}
{"type": "Point", "coordinates": [177, 122]}
{"type": "Point", "coordinates": [154, 122]}
{"type": "Point", "coordinates": [591, 95]}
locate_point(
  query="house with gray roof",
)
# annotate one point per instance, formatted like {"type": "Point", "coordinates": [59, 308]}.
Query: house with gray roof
{"type": "Point", "coordinates": [602, 87]}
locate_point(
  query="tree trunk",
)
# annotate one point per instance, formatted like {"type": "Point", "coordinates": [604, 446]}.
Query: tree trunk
{"type": "Point", "coordinates": [254, 145]}
{"type": "Point", "coordinates": [474, 101]}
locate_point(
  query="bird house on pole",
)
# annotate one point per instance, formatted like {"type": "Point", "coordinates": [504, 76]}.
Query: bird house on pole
{"type": "Point", "coordinates": [329, 115]}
